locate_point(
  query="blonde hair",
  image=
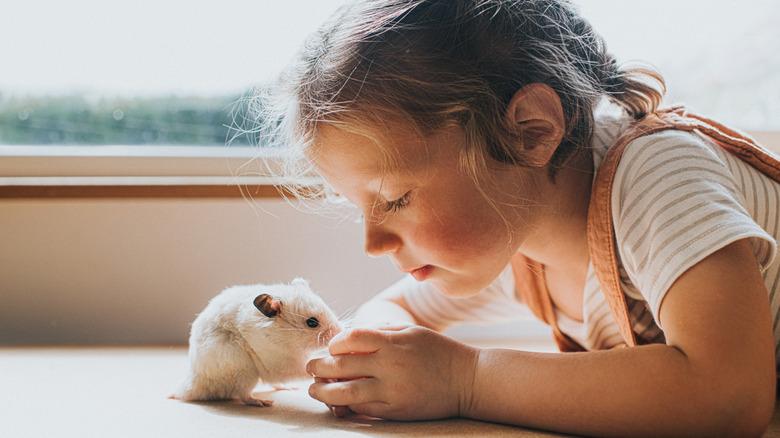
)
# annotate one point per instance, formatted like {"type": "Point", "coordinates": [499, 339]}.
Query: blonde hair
{"type": "Point", "coordinates": [439, 63]}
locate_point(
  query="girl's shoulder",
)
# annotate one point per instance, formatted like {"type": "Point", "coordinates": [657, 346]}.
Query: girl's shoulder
{"type": "Point", "coordinates": [672, 149]}
{"type": "Point", "coordinates": [663, 151]}
{"type": "Point", "coordinates": [670, 166]}
{"type": "Point", "coordinates": [676, 198]}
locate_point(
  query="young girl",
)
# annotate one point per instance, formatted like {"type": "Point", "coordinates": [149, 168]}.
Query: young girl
{"type": "Point", "coordinates": [466, 133]}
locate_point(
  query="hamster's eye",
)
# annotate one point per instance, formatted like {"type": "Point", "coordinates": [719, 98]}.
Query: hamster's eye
{"type": "Point", "coordinates": [312, 322]}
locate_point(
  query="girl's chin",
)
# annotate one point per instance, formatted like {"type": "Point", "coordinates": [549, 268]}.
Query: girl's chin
{"type": "Point", "coordinates": [453, 288]}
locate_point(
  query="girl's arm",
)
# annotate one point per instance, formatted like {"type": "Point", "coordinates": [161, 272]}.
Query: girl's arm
{"type": "Point", "coordinates": [716, 376]}
{"type": "Point", "coordinates": [389, 307]}
{"type": "Point", "coordinates": [411, 302]}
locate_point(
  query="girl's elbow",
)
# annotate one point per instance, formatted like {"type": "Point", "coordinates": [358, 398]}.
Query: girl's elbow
{"type": "Point", "coordinates": [751, 422]}
{"type": "Point", "coordinates": [747, 412]}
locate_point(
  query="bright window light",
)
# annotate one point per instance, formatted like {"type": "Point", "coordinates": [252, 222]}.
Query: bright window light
{"type": "Point", "coordinates": [89, 72]}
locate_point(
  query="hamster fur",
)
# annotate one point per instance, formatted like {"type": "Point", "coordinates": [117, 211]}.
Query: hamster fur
{"type": "Point", "coordinates": [255, 332]}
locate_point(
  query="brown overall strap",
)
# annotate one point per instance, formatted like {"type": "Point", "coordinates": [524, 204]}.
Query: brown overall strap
{"type": "Point", "coordinates": [532, 289]}
{"type": "Point", "coordinates": [601, 235]}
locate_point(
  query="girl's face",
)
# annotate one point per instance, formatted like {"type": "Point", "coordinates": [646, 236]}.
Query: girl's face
{"type": "Point", "coordinates": [424, 212]}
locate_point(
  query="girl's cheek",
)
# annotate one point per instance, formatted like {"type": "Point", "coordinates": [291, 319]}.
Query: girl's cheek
{"type": "Point", "coordinates": [452, 218]}
{"type": "Point", "coordinates": [450, 238]}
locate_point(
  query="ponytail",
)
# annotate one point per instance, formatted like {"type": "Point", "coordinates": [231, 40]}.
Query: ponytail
{"type": "Point", "coordinates": [633, 89]}
{"type": "Point", "coordinates": [638, 88]}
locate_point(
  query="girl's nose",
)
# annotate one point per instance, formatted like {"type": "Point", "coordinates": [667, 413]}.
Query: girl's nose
{"type": "Point", "coordinates": [380, 241]}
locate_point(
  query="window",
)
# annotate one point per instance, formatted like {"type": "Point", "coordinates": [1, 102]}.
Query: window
{"type": "Point", "coordinates": [86, 72]}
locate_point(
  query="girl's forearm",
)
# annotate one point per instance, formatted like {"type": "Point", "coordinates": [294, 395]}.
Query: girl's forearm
{"type": "Point", "coordinates": [650, 390]}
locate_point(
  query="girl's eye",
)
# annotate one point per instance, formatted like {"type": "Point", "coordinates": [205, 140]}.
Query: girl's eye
{"type": "Point", "coordinates": [312, 322]}
{"type": "Point", "coordinates": [398, 204]}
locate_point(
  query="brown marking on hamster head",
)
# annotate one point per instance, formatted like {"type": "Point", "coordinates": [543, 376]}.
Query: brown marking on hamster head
{"type": "Point", "coordinates": [268, 305]}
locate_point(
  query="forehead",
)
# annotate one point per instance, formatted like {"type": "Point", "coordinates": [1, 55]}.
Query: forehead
{"type": "Point", "coordinates": [341, 153]}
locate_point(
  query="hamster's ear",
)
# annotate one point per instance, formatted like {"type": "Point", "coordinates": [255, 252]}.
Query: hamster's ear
{"type": "Point", "coordinates": [268, 305]}
{"type": "Point", "coordinates": [300, 281]}
{"type": "Point", "coordinates": [535, 116]}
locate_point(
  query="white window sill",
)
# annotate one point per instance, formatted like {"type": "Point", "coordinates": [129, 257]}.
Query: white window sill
{"type": "Point", "coordinates": [134, 171]}
{"type": "Point", "coordinates": [126, 161]}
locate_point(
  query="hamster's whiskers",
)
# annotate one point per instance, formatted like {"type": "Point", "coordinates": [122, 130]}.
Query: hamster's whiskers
{"type": "Point", "coordinates": [321, 338]}
{"type": "Point", "coordinates": [347, 316]}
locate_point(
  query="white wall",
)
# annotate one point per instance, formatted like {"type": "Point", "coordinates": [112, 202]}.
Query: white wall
{"type": "Point", "coordinates": [137, 271]}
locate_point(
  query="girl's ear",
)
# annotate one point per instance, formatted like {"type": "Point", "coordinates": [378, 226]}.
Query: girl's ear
{"type": "Point", "coordinates": [535, 116]}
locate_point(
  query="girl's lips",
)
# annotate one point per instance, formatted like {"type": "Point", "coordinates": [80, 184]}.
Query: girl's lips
{"type": "Point", "coordinates": [420, 274]}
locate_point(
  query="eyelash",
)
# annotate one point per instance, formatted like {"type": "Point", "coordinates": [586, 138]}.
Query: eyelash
{"type": "Point", "coordinates": [398, 204]}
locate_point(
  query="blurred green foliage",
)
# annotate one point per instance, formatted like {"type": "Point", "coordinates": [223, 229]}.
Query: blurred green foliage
{"type": "Point", "coordinates": [88, 120]}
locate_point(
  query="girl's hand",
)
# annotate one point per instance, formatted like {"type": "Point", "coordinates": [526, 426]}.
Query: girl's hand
{"type": "Point", "coordinates": [399, 373]}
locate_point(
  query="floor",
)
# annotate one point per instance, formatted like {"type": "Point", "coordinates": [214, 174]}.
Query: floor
{"type": "Point", "coordinates": [123, 392]}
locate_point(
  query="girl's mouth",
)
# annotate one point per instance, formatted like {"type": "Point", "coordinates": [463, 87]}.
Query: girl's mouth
{"type": "Point", "coordinates": [420, 274]}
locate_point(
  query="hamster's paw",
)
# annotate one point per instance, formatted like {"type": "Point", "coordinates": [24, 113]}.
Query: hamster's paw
{"type": "Point", "coordinates": [251, 401]}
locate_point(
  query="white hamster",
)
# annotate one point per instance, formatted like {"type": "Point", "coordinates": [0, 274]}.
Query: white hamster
{"type": "Point", "coordinates": [255, 332]}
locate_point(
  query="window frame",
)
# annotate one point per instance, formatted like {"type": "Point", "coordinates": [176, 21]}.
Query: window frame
{"type": "Point", "coordinates": [135, 172]}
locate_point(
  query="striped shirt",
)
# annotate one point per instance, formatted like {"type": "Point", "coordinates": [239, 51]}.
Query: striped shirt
{"type": "Point", "coordinates": [677, 198]}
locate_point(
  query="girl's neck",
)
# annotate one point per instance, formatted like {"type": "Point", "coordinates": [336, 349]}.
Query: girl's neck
{"type": "Point", "coordinates": [560, 241]}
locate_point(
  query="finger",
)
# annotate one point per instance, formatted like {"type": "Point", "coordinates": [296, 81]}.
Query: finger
{"type": "Point", "coordinates": [342, 367]}
{"type": "Point", "coordinates": [374, 409]}
{"type": "Point", "coordinates": [358, 340]}
{"type": "Point", "coordinates": [395, 328]}
{"type": "Point", "coordinates": [340, 411]}
{"type": "Point", "coordinates": [323, 380]}
{"type": "Point", "coordinates": [345, 393]}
